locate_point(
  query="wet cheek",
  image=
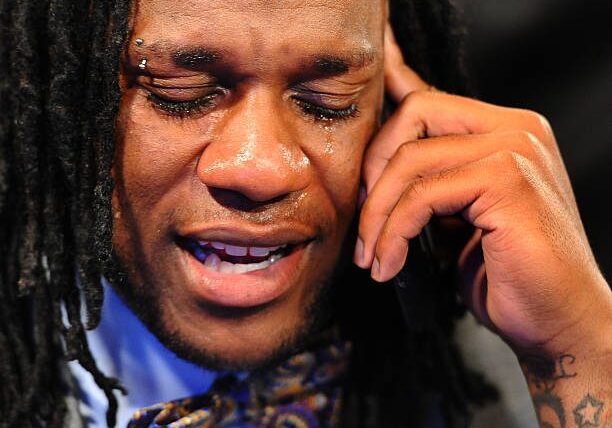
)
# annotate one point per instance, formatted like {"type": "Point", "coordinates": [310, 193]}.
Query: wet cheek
{"type": "Point", "coordinates": [342, 169]}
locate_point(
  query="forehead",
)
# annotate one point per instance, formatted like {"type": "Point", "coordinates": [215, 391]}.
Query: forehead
{"type": "Point", "coordinates": [275, 13]}
{"type": "Point", "coordinates": [260, 25]}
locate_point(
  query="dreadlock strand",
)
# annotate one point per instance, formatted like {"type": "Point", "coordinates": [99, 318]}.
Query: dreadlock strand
{"type": "Point", "coordinates": [4, 101]}
{"type": "Point", "coordinates": [87, 244]}
{"type": "Point", "coordinates": [8, 357]}
{"type": "Point", "coordinates": [66, 73]}
{"type": "Point", "coordinates": [109, 55]}
{"type": "Point", "coordinates": [36, 379]}
{"type": "Point", "coordinates": [8, 362]}
{"type": "Point", "coordinates": [29, 112]}
{"type": "Point", "coordinates": [16, 332]}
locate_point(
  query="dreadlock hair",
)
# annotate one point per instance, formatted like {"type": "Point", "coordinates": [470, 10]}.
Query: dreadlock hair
{"type": "Point", "coordinates": [59, 63]}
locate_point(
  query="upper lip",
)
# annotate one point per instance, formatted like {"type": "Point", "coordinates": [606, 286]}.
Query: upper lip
{"type": "Point", "coordinates": [251, 236]}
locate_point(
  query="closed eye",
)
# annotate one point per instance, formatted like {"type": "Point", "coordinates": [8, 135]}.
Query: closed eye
{"type": "Point", "coordinates": [184, 108]}
{"type": "Point", "coordinates": [322, 113]}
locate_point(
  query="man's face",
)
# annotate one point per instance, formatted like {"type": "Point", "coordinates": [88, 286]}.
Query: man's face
{"type": "Point", "coordinates": [239, 145]}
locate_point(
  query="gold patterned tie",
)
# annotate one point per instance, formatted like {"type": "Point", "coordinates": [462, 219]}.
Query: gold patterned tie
{"type": "Point", "coordinates": [303, 392]}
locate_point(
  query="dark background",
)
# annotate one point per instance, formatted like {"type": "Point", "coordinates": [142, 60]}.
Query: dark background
{"type": "Point", "coordinates": [555, 57]}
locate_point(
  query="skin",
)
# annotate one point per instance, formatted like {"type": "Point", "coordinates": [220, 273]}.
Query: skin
{"type": "Point", "coordinates": [253, 167]}
{"type": "Point", "coordinates": [256, 164]}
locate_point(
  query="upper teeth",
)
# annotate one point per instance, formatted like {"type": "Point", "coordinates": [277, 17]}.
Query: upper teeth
{"type": "Point", "coordinates": [235, 250]}
{"type": "Point", "coordinates": [215, 264]}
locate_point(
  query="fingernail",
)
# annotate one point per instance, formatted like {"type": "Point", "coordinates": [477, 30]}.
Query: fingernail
{"type": "Point", "coordinates": [358, 257]}
{"type": "Point", "coordinates": [376, 269]}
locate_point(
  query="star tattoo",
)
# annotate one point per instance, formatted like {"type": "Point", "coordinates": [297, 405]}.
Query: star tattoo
{"type": "Point", "coordinates": [588, 413]}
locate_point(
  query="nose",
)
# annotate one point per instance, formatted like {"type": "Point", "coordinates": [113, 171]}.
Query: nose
{"type": "Point", "coordinates": [255, 152]}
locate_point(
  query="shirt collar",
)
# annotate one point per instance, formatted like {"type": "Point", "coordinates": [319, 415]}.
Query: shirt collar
{"type": "Point", "coordinates": [124, 348]}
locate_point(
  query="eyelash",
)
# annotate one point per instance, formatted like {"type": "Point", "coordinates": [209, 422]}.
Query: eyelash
{"type": "Point", "coordinates": [325, 114]}
{"type": "Point", "coordinates": [184, 109]}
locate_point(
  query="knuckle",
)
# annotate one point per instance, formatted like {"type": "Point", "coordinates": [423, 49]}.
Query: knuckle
{"type": "Point", "coordinates": [516, 169]}
{"type": "Point", "coordinates": [508, 159]}
{"type": "Point", "coordinates": [410, 149]}
{"type": "Point", "coordinates": [414, 100]}
{"type": "Point", "coordinates": [538, 124]}
{"type": "Point", "coordinates": [448, 174]}
{"type": "Point", "coordinates": [532, 148]}
{"type": "Point", "coordinates": [527, 137]}
{"type": "Point", "coordinates": [530, 144]}
{"type": "Point", "coordinates": [416, 190]}
{"type": "Point", "coordinates": [544, 123]}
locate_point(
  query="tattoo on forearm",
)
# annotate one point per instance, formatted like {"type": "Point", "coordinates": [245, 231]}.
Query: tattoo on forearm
{"type": "Point", "coordinates": [543, 375]}
{"type": "Point", "coordinates": [589, 412]}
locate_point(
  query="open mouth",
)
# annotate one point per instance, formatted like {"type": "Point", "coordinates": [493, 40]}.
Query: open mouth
{"type": "Point", "coordinates": [233, 259]}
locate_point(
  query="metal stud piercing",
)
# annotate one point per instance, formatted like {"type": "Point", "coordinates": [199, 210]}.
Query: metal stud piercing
{"type": "Point", "coordinates": [143, 64]}
{"type": "Point", "coordinates": [139, 42]}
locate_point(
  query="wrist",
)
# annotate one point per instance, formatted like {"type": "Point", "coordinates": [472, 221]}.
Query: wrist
{"type": "Point", "coordinates": [586, 330]}
{"type": "Point", "coordinates": [591, 336]}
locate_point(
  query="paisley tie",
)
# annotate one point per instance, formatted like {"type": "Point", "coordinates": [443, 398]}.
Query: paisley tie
{"type": "Point", "coordinates": [302, 392]}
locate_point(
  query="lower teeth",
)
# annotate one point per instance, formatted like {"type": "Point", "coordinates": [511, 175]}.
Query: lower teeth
{"type": "Point", "coordinates": [214, 263]}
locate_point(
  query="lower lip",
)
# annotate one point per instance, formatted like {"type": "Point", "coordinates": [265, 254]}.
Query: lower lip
{"type": "Point", "coordinates": [247, 289]}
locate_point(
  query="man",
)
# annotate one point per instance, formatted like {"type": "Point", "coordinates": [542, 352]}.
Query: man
{"type": "Point", "coordinates": [242, 133]}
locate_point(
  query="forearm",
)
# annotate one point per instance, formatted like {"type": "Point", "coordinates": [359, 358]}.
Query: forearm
{"type": "Point", "coordinates": [572, 390]}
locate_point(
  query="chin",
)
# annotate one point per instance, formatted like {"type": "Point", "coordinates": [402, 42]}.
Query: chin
{"type": "Point", "coordinates": [245, 344]}
{"type": "Point", "coordinates": [237, 356]}
{"type": "Point", "coordinates": [236, 339]}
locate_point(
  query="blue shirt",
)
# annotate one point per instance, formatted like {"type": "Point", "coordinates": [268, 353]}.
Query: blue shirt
{"type": "Point", "coordinates": [124, 348]}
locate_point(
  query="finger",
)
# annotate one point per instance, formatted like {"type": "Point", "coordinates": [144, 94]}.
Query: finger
{"type": "Point", "coordinates": [463, 190]}
{"type": "Point", "coordinates": [425, 114]}
{"type": "Point", "coordinates": [400, 79]}
{"type": "Point", "coordinates": [422, 158]}
{"type": "Point", "coordinates": [433, 114]}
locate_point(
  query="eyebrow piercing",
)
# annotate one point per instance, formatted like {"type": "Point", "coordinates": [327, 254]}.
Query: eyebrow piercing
{"type": "Point", "coordinates": [139, 42]}
{"type": "Point", "coordinates": [143, 64]}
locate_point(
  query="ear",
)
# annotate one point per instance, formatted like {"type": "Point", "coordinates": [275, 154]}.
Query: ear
{"type": "Point", "coordinates": [400, 79]}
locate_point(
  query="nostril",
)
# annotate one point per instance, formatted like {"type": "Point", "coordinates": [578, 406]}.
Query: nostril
{"type": "Point", "coordinates": [236, 200]}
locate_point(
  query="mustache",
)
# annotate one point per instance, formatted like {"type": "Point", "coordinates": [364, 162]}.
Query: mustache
{"type": "Point", "coordinates": [228, 206]}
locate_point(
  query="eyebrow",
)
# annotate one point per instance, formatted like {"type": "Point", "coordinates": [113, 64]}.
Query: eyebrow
{"type": "Point", "coordinates": [333, 65]}
{"type": "Point", "coordinates": [323, 64]}
{"type": "Point", "coordinates": [195, 58]}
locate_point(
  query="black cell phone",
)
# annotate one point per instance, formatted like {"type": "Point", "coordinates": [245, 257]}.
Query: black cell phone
{"type": "Point", "coordinates": [431, 263]}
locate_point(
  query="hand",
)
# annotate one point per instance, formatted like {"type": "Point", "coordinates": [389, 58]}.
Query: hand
{"type": "Point", "coordinates": [535, 281]}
